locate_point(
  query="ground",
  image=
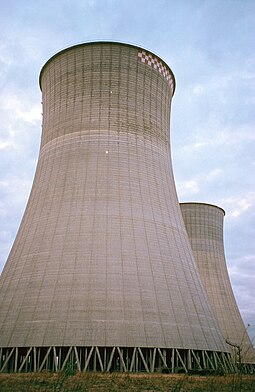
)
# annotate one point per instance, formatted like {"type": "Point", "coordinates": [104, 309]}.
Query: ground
{"type": "Point", "coordinates": [118, 382]}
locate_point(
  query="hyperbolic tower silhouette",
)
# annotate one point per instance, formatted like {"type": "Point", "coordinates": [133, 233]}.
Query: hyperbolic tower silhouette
{"type": "Point", "coordinates": [101, 273]}
{"type": "Point", "coordinates": [204, 225]}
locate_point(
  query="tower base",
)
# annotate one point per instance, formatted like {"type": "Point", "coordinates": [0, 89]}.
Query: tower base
{"type": "Point", "coordinates": [119, 359]}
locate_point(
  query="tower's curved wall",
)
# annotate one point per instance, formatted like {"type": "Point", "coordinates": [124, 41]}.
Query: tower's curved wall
{"type": "Point", "coordinates": [204, 224]}
{"type": "Point", "coordinates": [102, 256]}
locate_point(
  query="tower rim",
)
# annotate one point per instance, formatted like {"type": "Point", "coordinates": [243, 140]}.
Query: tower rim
{"type": "Point", "coordinates": [204, 204]}
{"type": "Point", "coordinates": [100, 42]}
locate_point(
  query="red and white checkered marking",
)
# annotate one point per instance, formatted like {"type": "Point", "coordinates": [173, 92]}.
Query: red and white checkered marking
{"type": "Point", "coordinates": [154, 62]}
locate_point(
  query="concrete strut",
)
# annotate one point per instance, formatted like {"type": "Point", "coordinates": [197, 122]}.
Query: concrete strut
{"type": "Point", "coordinates": [123, 359]}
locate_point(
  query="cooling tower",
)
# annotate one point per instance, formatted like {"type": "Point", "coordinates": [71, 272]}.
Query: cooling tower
{"type": "Point", "coordinates": [101, 274]}
{"type": "Point", "coordinates": [204, 224]}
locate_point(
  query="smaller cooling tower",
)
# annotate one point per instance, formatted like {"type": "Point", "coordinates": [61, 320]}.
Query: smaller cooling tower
{"type": "Point", "coordinates": [204, 224]}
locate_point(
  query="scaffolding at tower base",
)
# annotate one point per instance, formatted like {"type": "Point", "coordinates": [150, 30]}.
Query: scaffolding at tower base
{"type": "Point", "coordinates": [117, 359]}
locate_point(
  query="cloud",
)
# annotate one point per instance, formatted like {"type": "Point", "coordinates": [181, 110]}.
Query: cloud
{"type": "Point", "coordinates": [218, 136]}
{"type": "Point", "coordinates": [5, 144]}
{"type": "Point", "coordinates": [239, 205]}
{"type": "Point", "coordinates": [20, 107]}
{"type": "Point", "coordinates": [194, 185]}
{"type": "Point", "coordinates": [215, 174]}
{"type": "Point", "coordinates": [199, 89]}
{"type": "Point", "coordinates": [188, 188]}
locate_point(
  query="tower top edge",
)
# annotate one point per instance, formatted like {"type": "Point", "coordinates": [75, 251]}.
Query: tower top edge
{"type": "Point", "coordinates": [202, 204]}
{"type": "Point", "coordinates": [101, 42]}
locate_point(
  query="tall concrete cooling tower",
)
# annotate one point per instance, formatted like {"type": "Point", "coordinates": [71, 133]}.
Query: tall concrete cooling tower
{"type": "Point", "coordinates": [204, 224]}
{"type": "Point", "coordinates": [101, 273]}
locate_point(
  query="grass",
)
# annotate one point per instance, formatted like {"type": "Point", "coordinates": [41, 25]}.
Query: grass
{"type": "Point", "coordinates": [121, 382]}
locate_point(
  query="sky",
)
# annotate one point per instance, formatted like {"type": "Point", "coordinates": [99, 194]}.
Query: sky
{"type": "Point", "coordinates": [209, 45]}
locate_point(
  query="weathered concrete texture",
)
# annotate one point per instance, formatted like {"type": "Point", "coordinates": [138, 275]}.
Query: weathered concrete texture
{"type": "Point", "coordinates": [204, 224]}
{"type": "Point", "coordinates": [102, 257]}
